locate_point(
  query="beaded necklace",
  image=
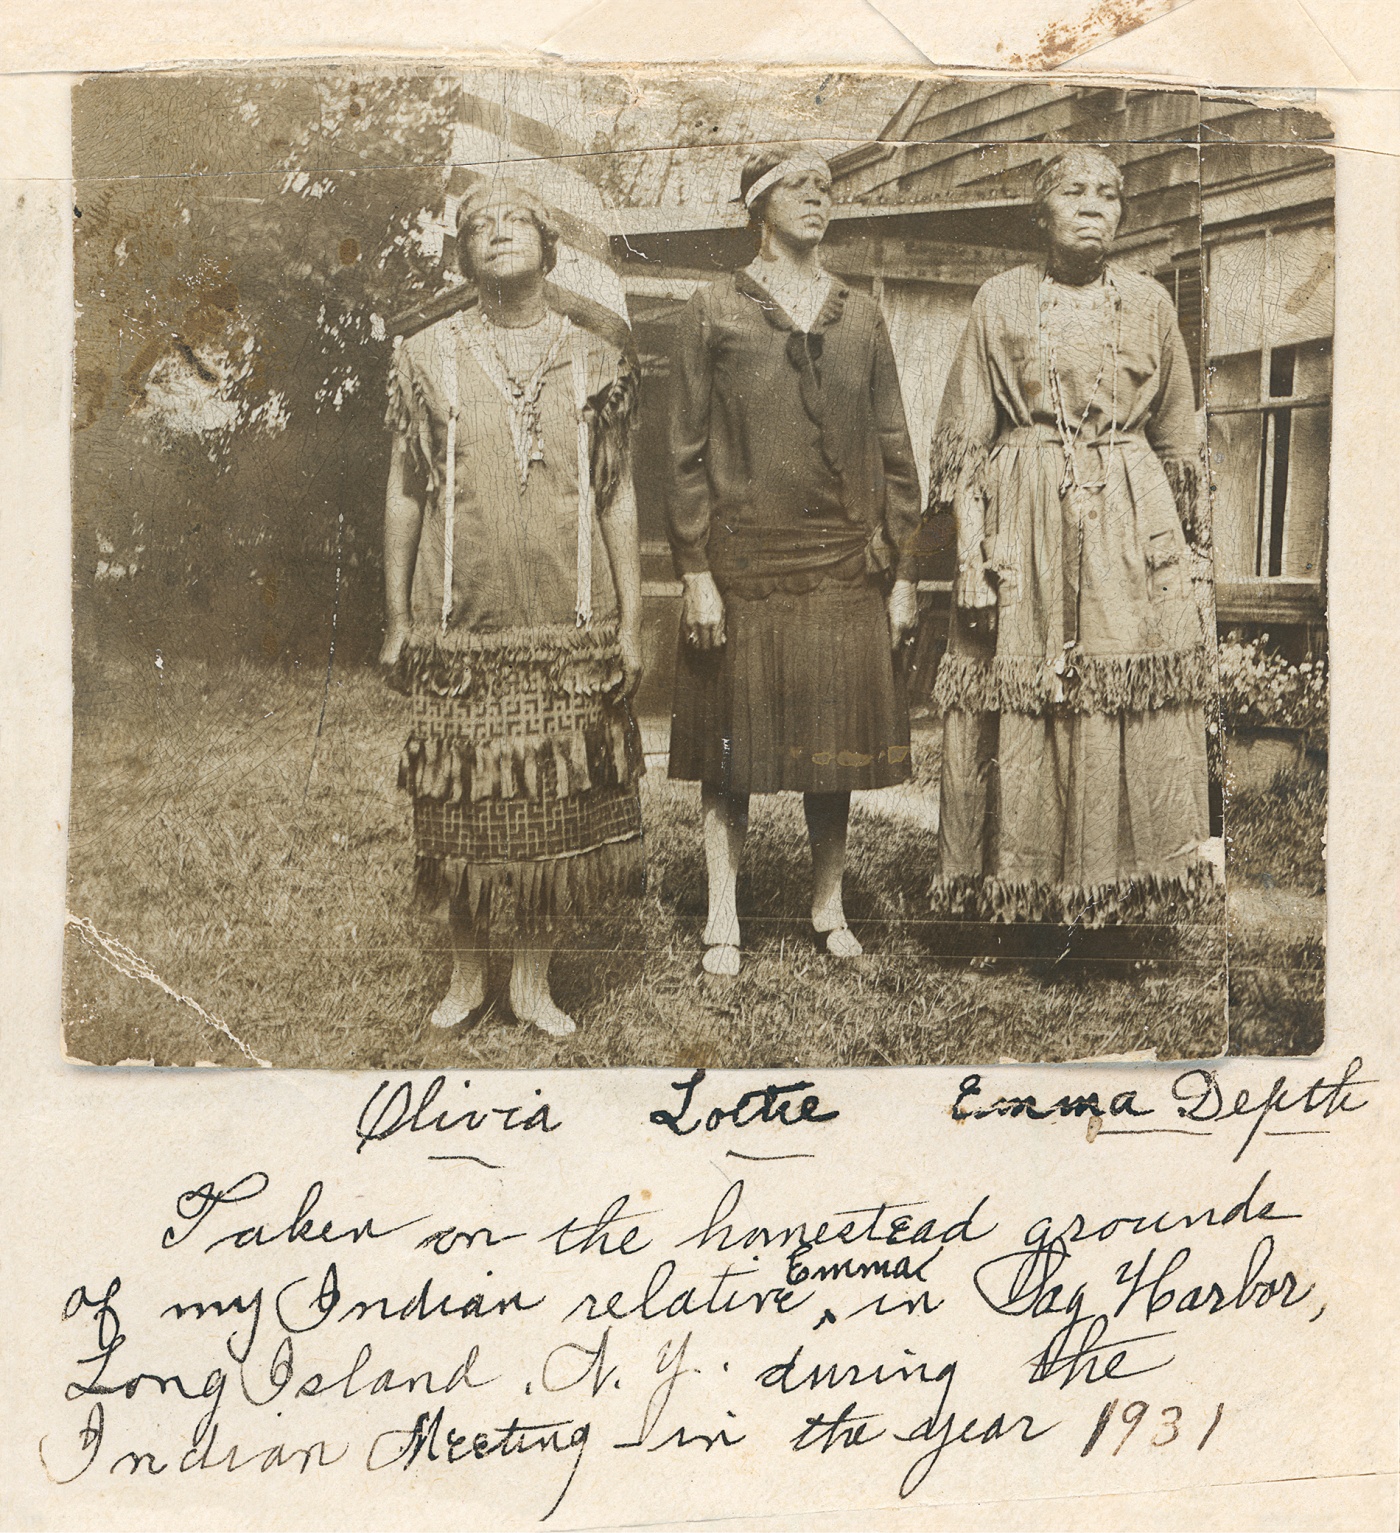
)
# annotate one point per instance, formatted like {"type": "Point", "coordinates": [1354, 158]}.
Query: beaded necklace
{"type": "Point", "coordinates": [1108, 358]}
{"type": "Point", "coordinates": [1072, 488]}
{"type": "Point", "coordinates": [520, 393]}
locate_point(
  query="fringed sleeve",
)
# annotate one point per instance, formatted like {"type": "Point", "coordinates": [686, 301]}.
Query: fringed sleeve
{"type": "Point", "coordinates": [612, 411]}
{"type": "Point", "coordinates": [408, 414]}
{"type": "Point", "coordinates": [1188, 485]}
{"type": "Point", "coordinates": [963, 437]}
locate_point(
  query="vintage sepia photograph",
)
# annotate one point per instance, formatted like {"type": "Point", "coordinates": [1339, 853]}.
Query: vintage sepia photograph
{"type": "Point", "coordinates": [711, 568]}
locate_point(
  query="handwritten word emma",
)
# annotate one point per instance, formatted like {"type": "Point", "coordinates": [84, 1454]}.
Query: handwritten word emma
{"type": "Point", "coordinates": [1083, 1106]}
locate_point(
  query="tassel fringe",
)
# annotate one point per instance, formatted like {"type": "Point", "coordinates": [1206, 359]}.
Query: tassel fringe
{"type": "Point", "coordinates": [535, 896]}
{"type": "Point", "coordinates": [581, 662]}
{"type": "Point", "coordinates": [955, 461]}
{"type": "Point", "coordinates": [455, 771]}
{"type": "Point", "coordinates": [1195, 892]}
{"type": "Point", "coordinates": [612, 418]}
{"type": "Point", "coordinates": [1184, 476]}
{"type": "Point", "coordinates": [409, 416]}
{"type": "Point", "coordinates": [1115, 684]}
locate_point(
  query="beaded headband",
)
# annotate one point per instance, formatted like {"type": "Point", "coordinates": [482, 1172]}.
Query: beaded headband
{"type": "Point", "coordinates": [796, 164]}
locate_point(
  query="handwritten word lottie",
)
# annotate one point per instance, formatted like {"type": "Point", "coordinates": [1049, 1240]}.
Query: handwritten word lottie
{"type": "Point", "coordinates": [769, 1104]}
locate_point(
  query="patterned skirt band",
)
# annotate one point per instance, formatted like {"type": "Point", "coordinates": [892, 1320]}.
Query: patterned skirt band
{"type": "Point", "coordinates": [523, 760]}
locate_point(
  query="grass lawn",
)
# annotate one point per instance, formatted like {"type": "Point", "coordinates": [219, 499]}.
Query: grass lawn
{"type": "Point", "coordinates": [256, 854]}
{"type": "Point", "coordinates": [1275, 847]}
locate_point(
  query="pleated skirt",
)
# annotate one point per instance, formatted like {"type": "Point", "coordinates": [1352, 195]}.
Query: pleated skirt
{"type": "Point", "coordinates": [805, 696]}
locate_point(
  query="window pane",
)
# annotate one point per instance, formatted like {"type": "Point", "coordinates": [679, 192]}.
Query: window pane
{"type": "Point", "coordinates": [1234, 462]}
{"type": "Point", "coordinates": [1314, 368]}
{"type": "Point", "coordinates": [1298, 296]}
{"type": "Point", "coordinates": [1233, 380]}
{"type": "Point", "coordinates": [1236, 281]}
{"type": "Point", "coordinates": [1307, 494]}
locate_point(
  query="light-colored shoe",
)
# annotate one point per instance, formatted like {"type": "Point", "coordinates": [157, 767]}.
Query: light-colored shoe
{"type": "Point", "coordinates": [841, 942]}
{"type": "Point", "coordinates": [549, 1019]}
{"type": "Point", "coordinates": [722, 960]}
{"type": "Point", "coordinates": [459, 1002]}
{"type": "Point", "coordinates": [541, 1012]}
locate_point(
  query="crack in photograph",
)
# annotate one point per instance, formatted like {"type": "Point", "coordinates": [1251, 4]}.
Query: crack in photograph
{"type": "Point", "coordinates": [595, 567]}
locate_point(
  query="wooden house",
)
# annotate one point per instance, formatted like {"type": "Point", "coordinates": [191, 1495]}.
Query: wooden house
{"type": "Point", "coordinates": [1229, 205]}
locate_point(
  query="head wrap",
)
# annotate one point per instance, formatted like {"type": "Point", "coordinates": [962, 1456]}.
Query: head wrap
{"type": "Point", "coordinates": [494, 192]}
{"type": "Point", "coordinates": [764, 171]}
{"type": "Point", "coordinates": [1069, 162]}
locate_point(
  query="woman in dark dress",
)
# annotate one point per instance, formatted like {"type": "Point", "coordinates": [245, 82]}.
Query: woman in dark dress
{"type": "Point", "coordinates": [794, 495]}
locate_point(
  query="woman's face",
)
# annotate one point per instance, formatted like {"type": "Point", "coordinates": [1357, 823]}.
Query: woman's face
{"type": "Point", "coordinates": [501, 243]}
{"type": "Point", "coordinates": [1081, 216]}
{"type": "Point", "coordinates": [798, 208]}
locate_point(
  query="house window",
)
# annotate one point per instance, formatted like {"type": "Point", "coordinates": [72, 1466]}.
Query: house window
{"type": "Point", "coordinates": [1268, 398]}
{"type": "Point", "coordinates": [1183, 282]}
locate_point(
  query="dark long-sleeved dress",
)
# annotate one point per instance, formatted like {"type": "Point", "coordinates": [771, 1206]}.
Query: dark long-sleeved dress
{"type": "Point", "coordinates": [1074, 778]}
{"type": "Point", "coordinates": [794, 484]}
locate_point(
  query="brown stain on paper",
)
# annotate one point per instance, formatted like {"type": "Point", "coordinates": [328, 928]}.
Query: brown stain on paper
{"type": "Point", "coordinates": [1060, 41]}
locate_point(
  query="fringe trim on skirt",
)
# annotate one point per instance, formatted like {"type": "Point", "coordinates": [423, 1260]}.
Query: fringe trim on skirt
{"type": "Point", "coordinates": [454, 771]}
{"type": "Point", "coordinates": [576, 661]}
{"type": "Point", "coordinates": [523, 760]}
{"type": "Point", "coordinates": [1110, 684]}
{"type": "Point", "coordinates": [534, 896]}
{"type": "Point", "coordinates": [1191, 895]}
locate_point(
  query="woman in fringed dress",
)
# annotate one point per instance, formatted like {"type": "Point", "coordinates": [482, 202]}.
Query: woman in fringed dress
{"type": "Point", "coordinates": [1074, 778]}
{"type": "Point", "coordinates": [793, 498]}
{"type": "Point", "coordinates": [513, 589]}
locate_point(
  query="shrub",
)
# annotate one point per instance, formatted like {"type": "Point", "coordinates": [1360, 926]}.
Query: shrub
{"type": "Point", "coordinates": [1261, 687]}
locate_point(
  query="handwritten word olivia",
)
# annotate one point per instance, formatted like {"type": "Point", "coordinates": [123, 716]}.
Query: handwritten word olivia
{"type": "Point", "coordinates": [768, 1105]}
{"type": "Point", "coordinates": [383, 1115]}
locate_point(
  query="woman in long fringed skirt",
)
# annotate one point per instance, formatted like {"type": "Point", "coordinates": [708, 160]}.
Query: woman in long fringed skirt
{"type": "Point", "coordinates": [793, 496]}
{"type": "Point", "coordinates": [513, 584]}
{"type": "Point", "coordinates": [1074, 778]}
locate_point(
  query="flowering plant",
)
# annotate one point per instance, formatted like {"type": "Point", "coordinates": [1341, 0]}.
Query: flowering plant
{"type": "Point", "coordinates": [1259, 686]}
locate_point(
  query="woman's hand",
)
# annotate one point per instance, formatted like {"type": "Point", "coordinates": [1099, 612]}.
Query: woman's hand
{"type": "Point", "coordinates": [976, 597]}
{"type": "Point", "coordinates": [903, 608]}
{"type": "Point", "coordinates": [395, 637]}
{"type": "Point", "coordinates": [974, 588]}
{"type": "Point", "coordinates": [629, 641]}
{"type": "Point", "coordinates": [702, 612]}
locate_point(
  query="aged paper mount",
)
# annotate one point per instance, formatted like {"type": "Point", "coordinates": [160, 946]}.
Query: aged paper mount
{"type": "Point", "coordinates": [580, 1295]}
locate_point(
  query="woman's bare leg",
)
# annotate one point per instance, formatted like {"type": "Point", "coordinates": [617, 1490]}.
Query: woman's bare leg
{"type": "Point", "coordinates": [530, 999]}
{"type": "Point", "coordinates": [828, 815]}
{"type": "Point", "coordinates": [726, 823]}
{"type": "Point", "coordinates": [471, 949]}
